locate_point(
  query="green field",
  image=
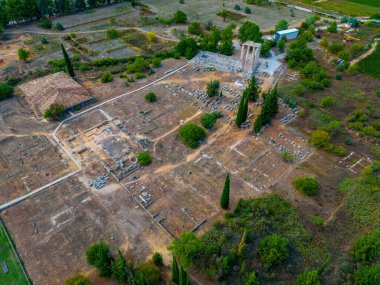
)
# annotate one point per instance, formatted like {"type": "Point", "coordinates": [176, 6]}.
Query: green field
{"type": "Point", "coordinates": [15, 276]}
{"type": "Point", "coordinates": [372, 3]}
{"type": "Point", "coordinates": [371, 64]}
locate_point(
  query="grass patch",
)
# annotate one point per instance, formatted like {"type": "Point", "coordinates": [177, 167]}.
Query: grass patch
{"type": "Point", "coordinates": [15, 276]}
{"type": "Point", "coordinates": [371, 64]}
{"type": "Point", "coordinates": [372, 3]}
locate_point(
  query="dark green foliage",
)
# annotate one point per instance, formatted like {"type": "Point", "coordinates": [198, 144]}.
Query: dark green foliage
{"type": "Point", "coordinates": [226, 46]}
{"type": "Point", "coordinates": [6, 91]}
{"type": "Point", "coordinates": [54, 112]}
{"type": "Point", "coordinates": [247, 10]}
{"type": "Point", "coordinates": [99, 256]}
{"type": "Point", "coordinates": [286, 156]}
{"type": "Point", "coordinates": [175, 270]}
{"type": "Point", "coordinates": [210, 41]}
{"type": "Point", "coordinates": [299, 54]}
{"type": "Point", "coordinates": [320, 139]}
{"type": "Point", "coordinates": [112, 34]}
{"type": "Point", "coordinates": [157, 259]}
{"type": "Point", "coordinates": [307, 185]}
{"type": "Point", "coordinates": [212, 88]}
{"type": "Point", "coordinates": [269, 109]}
{"type": "Point", "coordinates": [281, 45]}
{"type": "Point", "coordinates": [237, 7]}
{"type": "Point", "coordinates": [120, 269]}
{"type": "Point", "coordinates": [367, 247]}
{"type": "Point", "coordinates": [314, 77]}
{"type": "Point", "coordinates": [106, 77]}
{"type": "Point", "coordinates": [194, 28]}
{"type": "Point", "coordinates": [208, 120]}
{"type": "Point", "coordinates": [273, 250]}
{"type": "Point", "coordinates": [78, 279]}
{"type": "Point", "coordinates": [139, 64]}
{"type": "Point", "coordinates": [371, 64]}
{"type": "Point", "coordinates": [225, 199]}
{"type": "Point", "coordinates": [187, 47]}
{"type": "Point", "coordinates": [45, 23]}
{"type": "Point", "coordinates": [282, 25]}
{"type": "Point", "coordinates": [250, 32]}
{"type": "Point", "coordinates": [182, 275]}
{"type": "Point", "coordinates": [59, 27]}
{"type": "Point", "coordinates": [335, 48]}
{"type": "Point", "coordinates": [242, 112]}
{"type": "Point", "coordinates": [191, 134]}
{"type": "Point", "coordinates": [150, 97]}
{"type": "Point", "coordinates": [368, 275]}
{"type": "Point", "coordinates": [339, 76]}
{"type": "Point", "coordinates": [144, 158]}
{"type": "Point", "coordinates": [150, 272]}
{"type": "Point", "coordinates": [333, 27]}
{"type": "Point", "coordinates": [69, 66]}
{"type": "Point", "coordinates": [179, 17]}
{"type": "Point", "coordinates": [317, 220]}
{"type": "Point", "coordinates": [23, 54]}
{"type": "Point", "coordinates": [253, 89]}
{"type": "Point", "coordinates": [251, 279]}
{"type": "Point", "coordinates": [308, 277]}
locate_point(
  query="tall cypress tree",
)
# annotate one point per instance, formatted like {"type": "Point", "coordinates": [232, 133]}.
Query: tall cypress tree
{"type": "Point", "coordinates": [143, 280]}
{"type": "Point", "coordinates": [182, 276]}
{"type": "Point", "coordinates": [120, 270]}
{"type": "Point", "coordinates": [274, 101]}
{"type": "Point", "coordinates": [175, 271]}
{"type": "Point", "coordinates": [187, 278]}
{"type": "Point", "coordinates": [258, 123]}
{"type": "Point", "coordinates": [225, 199]}
{"type": "Point", "coordinates": [242, 113]}
{"type": "Point", "coordinates": [253, 89]}
{"type": "Point", "coordinates": [69, 66]}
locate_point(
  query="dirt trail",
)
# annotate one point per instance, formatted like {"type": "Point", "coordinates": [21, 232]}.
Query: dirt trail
{"type": "Point", "coordinates": [364, 55]}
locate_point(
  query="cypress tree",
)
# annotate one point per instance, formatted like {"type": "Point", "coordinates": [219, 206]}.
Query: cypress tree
{"type": "Point", "coordinates": [225, 199]}
{"type": "Point", "coordinates": [69, 66]}
{"type": "Point", "coordinates": [187, 282]}
{"type": "Point", "coordinates": [242, 113]}
{"type": "Point", "coordinates": [253, 89]}
{"type": "Point", "coordinates": [182, 276]}
{"type": "Point", "coordinates": [120, 270]}
{"type": "Point", "coordinates": [175, 271]}
{"type": "Point", "coordinates": [274, 102]}
{"type": "Point", "coordinates": [245, 110]}
{"type": "Point", "coordinates": [143, 280]}
{"type": "Point", "coordinates": [258, 123]}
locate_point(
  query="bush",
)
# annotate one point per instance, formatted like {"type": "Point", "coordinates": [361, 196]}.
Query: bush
{"type": "Point", "coordinates": [335, 48]}
{"type": "Point", "coordinates": [151, 272]}
{"type": "Point", "coordinates": [327, 101]}
{"type": "Point", "coordinates": [194, 28]}
{"type": "Point", "coordinates": [139, 64]}
{"type": "Point", "coordinates": [367, 275]}
{"type": "Point", "coordinates": [23, 54]}
{"type": "Point", "coordinates": [112, 34]}
{"type": "Point", "coordinates": [54, 112]}
{"type": "Point", "coordinates": [45, 23]}
{"type": "Point", "coordinates": [320, 139]}
{"type": "Point", "coordinates": [308, 277]}
{"type": "Point", "coordinates": [179, 17]}
{"type": "Point", "coordinates": [139, 75]}
{"type": "Point", "coordinates": [212, 88]}
{"type": "Point", "coordinates": [6, 91]}
{"type": "Point", "coordinates": [339, 150]}
{"type": "Point", "coordinates": [191, 134]}
{"type": "Point", "coordinates": [273, 250]}
{"type": "Point", "coordinates": [317, 220]}
{"type": "Point", "coordinates": [339, 76]}
{"type": "Point", "coordinates": [144, 158]}
{"type": "Point", "coordinates": [157, 259]}
{"type": "Point", "coordinates": [367, 247]}
{"type": "Point", "coordinates": [286, 156]}
{"type": "Point", "coordinates": [247, 10]}
{"type": "Point", "coordinates": [106, 77]}
{"type": "Point", "coordinates": [378, 92]}
{"type": "Point", "coordinates": [150, 97]}
{"type": "Point", "coordinates": [307, 185]}
{"type": "Point", "coordinates": [78, 280]}
{"type": "Point", "coordinates": [156, 61]}
{"type": "Point", "coordinates": [99, 256]}
{"type": "Point", "coordinates": [59, 27]}
{"type": "Point", "coordinates": [187, 47]}
{"type": "Point", "coordinates": [237, 7]}
{"type": "Point", "coordinates": [344, 54]}
{"type": "Point", "coordinates": [208, 120]}
{"type": "Point", "coordinates": [83, 67]}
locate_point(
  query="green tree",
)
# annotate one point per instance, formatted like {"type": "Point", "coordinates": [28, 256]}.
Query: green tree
{"type": "Point", "coordinates": [242, 113]}
{"type": "Point", "coordinates": [225, 198]}
{"type": "Point", "coordinates": [273, 250]}
{"type": "Point", "coordinates": [223, 14]}
{"type": "Point", "coordinates": [99, 256]}
{"type": "Point", "coordinates": [175, 271]}
{"type": "Point", "coordinates": [257, 125]}
{"type": "Point", "coordinates": [281, 45]}
{"type": "Point", "coordinates": [150, 97]}
{"type": "Point", "coordinates": [250, 32]}
{"type": "Point", "coordinates": [251, 279]}
{"type": "Point", "coordinates": [144, 158]}
{"type": "Point", "coordinates": [253, 89]}
{"type": "Point", "coordinates": [78, 279]}
{"type": "Point", "coordinates": [157, 259]}
{"type": "Point", "coordinates": [191, 134]}
{"type": "Point", "coordinates": [212, 88]}
{"type": "Point", "coordinates": [23, 54]}
{"type": "Point", "coordinates": [367, 247]}
{"type": "Point", "coordinates": [120, 269]}
{"type": "Point", "coordinates": [208, 120]}
{"type": "Point", "coordinates": [320, 139]}
{"type": "Point", "coordinates": [282, 25]}
{"type": "Point", "coordinates": [368, 275]}
{"type": "Point", "coordinates": [54, 112]}
{"type": "Point", "coordinates": [112, 34]}
{"type": "Point", "coordinates": [308, 277]}
{"type": "Point", "coordinates": [187, 47]}
{"type": "Point", "coordinates": [182, 275]}
{"type": "Point", "coordinates": [273, 101]}
{"type": "Point", "coordinates": [179, 17]}
{"type": "Point", "coordinates": [332, 28]}
{"type": "Point", "coordinates": [151, 272]}
{"type": "Point", "coordinates": [307, 185]}
{"type": "Point", "coordinates": [194, 28]}
{"type": "Point", "coordinates": [106, 77]}
{"type": "Point", "coordinates": [6, 91]}
{"type": "Point", "coordinates": [69, 66]}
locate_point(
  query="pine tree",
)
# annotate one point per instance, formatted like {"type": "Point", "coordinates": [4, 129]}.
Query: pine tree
{"type": "Point", "coordinates": [182, 276]}
{"type": "Point", "coordinates": [175, 271]}
{"type": "Point", "coordinates": [225, 199]}
{"type": "Point", "coordinates": [69, 66]}
{"type": "Point", "coordinates": [242, 113]}
{"type": "Point", "coordinates": [120, 270]}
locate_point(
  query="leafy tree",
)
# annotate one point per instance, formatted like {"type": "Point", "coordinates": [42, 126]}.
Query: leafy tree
{"type": "Point", "coordinates": [6, 91]}
{"type": "Point", "coordinates": [187, 47]}
{"type": "Point", "coordinates": [307, 36]}
{"type": "Point", "coordinates": [144, 158]}
{"type": "Point", "coordinates": [69, 66]}
{"type": "Point", "coordinates": [250, 32]}
{"type": "Point", "coordinates": [120, 269]}
{"type": "Point", "coordinates": [368, 275]}
{"type": "Point", "coordinates": [179, 17]}
{"type": "Point", "coordinates": [259, 122]}
{"type": "Point", "coordinates": [208, 120]}
{"type": "Point", "coordinates": [237, 7]}
{"type": "Point", "coordinates": [253, 90]}
{"type": "Point", "coordinates": [367, 247]}
{"type": "Point", "coordinates": [226, 47]}
{"type": "Point", "coordinates": [1, 30]}
{"type": "Point", "coordinates": [194, 28]}
{"type": "Point", "coordinates": [157, 259]}
{"type": "Point", "coordinates": [274, 101]}
{"type": "Point", "coordinates": [151, 272]}
{"type": "Point", "coordinates": [298, 54]}
{"type": "Point", "coordinates": [281, 45]}
{"type": "Point", "coordinates": [332, 28]}
{"type": "Point", "coordinates": [59, 27]}
{"type": "Point", "coordinates": [307, 185]}
{"type": "Point", "coordinates": [191, 134]}
{"type": "Point", "coordinates": [335, 48]}
{"type": "Point", "coordinates": [212, 88]}
{"type": "Point", "coordinates": [273, 250]}
{"type": "Point", "coordinates": [23, 54]}
{"type": "Point", "coordinates": [80, 5]}
{"type": "Point", "coordinates": [247, 10]}
{"type": "Point", "coordinates": [150, 97]}
{"type": "Point", "coordinates": [175, 271]}
{"type": "Point", "coordinates": [112, 34]}
{"type": "Point", "coordinates": [225, 199]}
{"type": "Point", "coordinates": [106, 77]}
{"type": "Point", "coordinates": [54, 112]}
{"type": "Point", "coordinates": [320, 139]}
{"type": "Point", "coordinates": [99, 256]}
{"type": "Point", "coordinates": [251, 279]}
{"type": "Point", "coordinates": [308, 277]}
{"type": "Point", "coordinates": [78, 279]}
{"type": "Point", "coordinates": [282, 25]}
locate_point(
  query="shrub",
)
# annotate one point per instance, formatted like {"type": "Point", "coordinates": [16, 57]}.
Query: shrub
{"type": "Point", "coordinates": [54, 112]}
{"type": "Point", "coordinates": [151, 272]}
{"type": "Point", "coordinates": [99, 256]}
{"type": "Point", "coordinates": [320, 139]}
{"type": "Point", "coordinates": [191, 134]}
{"type": "Point", "coordinates": [157, 259]}
{"type": "Point", "coordinates": [23, 54]}
{"type": "Point", "coordinates": [45, 23]}
{"type": "Point", "coordinates": [247, 10]}
{"type": "Point", "coordinates": [335, 48]}
{"type": "Point", "coordinates": [144, 158]}
{"type": "Point", "coordinates": [286, 156]}
{"type": "Point", "coordinates": [307, 185]}
{"type": "Point", "coordinates": [179, 17]}
{"type": "Point", "coordinates": [83, 67]}
{"type": "Point", "coordinates": [237, 7]}
{"type": "Point", "coordinates": [378, 92]}
{"type": "Point", "coordinates": [367, 247]}
{"type": "Point", "coordinates": [282, 25]}
{"type": "Point", "coordinates": [212, 88]}
{"type": "Point", "coordinates": [208, 120]}
{"type": "Point", "coordinates": [139, 75]}
{"type": "Point", "coordinates": [308, 277]}
{"type": "Point", "coordinates": [151, 36]}
{"type": "Point", "coordinates": [6, 91]}
{"type": "Point", "coordinates": [348, 141]}
{"type": "Point", "coordinates": [273, 250]}
{"type": "Point", "coordinates": [150, 97]}
{"type": "Point", "coordinates": [106, 77]}
{"type": "Point", "coordinates": [339, 150]}
{"type": "Point", "coordinates": [78, 279]}
{"type": "Point", "coordinates": [344, 54]}
{"type": "Point", "coordinates": [194, 28]}
{"type": "Point", "coordinates": [339, 76]}
{"type": "Point", "coordinates": [368, 275]}
{"type": "Point", "coordinates": [139, 64]}
{"type": "Point", "coordinates": [317, 220]}
{"type": "Point", "coordinates": [187, 47]}
{"type": "Point", "coordinates": [112, 34]}
{"type": "Point", "coordinates": [332, 28]}
{"type": "Point", "coordinates": [327, 101]}
{"type": "Point", "coordinates": [59, 27]}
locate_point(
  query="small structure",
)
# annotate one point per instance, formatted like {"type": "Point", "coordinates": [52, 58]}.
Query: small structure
{"type": "Point", "coordinates": [250, 53]}
{"type": "Point", "coordinates": [290, 34]}
{"type": "Point", "coordinates": [55, 88]}
{"type": "Point", "coordinates": [5, 267]}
